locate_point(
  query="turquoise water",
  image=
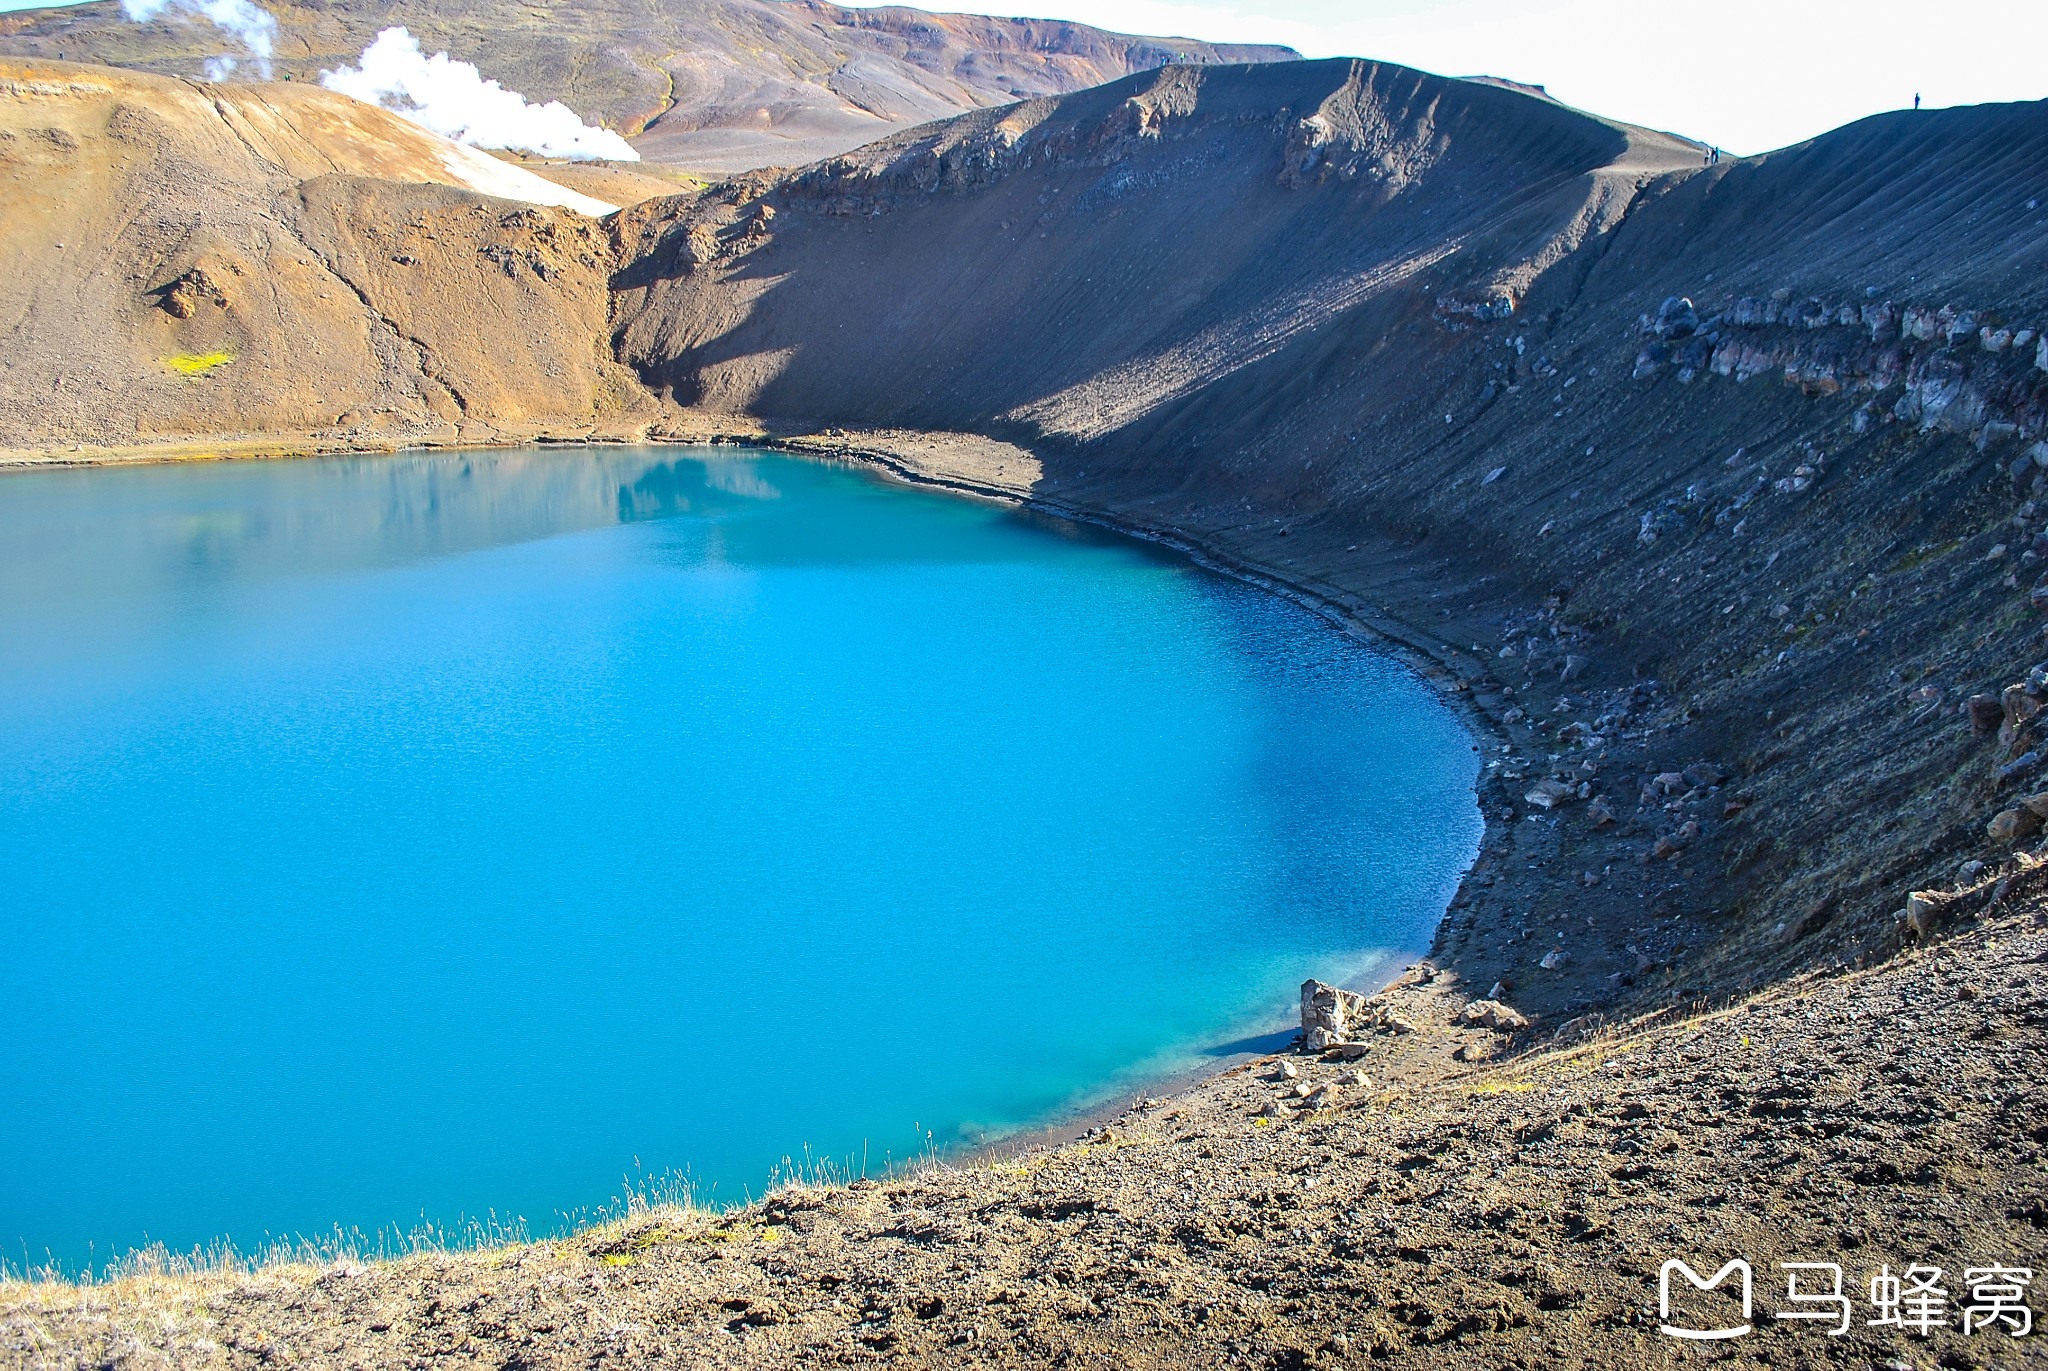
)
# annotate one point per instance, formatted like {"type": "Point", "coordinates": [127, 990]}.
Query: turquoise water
{"type": "Point", "coordinates": [419, 838]}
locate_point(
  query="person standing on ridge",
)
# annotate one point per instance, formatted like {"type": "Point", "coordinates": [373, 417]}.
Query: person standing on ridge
{"type": "Point", "coordinates": [1916, 99]}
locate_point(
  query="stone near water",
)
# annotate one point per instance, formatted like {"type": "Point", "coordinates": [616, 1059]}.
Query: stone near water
{"type": "Point", "coordinates": [1330, 1015]}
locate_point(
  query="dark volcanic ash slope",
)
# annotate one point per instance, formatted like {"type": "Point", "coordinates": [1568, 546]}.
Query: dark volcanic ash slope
{"type": "Point", "coordinates": [720, 85]}
{"type": "Point", "coordinates": [1405, 339]}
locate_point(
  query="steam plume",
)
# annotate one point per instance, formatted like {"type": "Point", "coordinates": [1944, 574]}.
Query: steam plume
{"type": "Point", "coordinates": [453, 99]}
{"type": "Point", "coordinates": [243, 20]}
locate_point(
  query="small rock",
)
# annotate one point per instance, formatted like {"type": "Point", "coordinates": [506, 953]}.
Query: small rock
{"type": "Point", "coordinates": [1574, 667]}
{"type": "Point", "coordinates": [1970, 870]}
{"type": "Point", "coordinates": [1923, 908]}
{"type": "Point", "coordinates": [1394, 1023]}
{"type": "Point", "coordinates": [1286, 1071]}
{"type": "Point", "coordinates": [1553, 959]}
{"type": "Point", "coordinates": [1301, 1090]}
{"type": "Point", "coordinates": [1668, 782]}
{"type": "Point", "coordinates": [1665, 850]}
{"type": "Point", "coordinates": [1985, 713]}
{"type": "Point", "coordinates": [1676, 318]}
{"type": "Point", "coordinates": [1599, 813]}
{"type": "Point", "coordinates": [1706, 774]}
{"type": "Point", "coordinates": [1494, 1015]}
{"type": "Point", "coordinates": [1270, 1109]}
{"type": "Point", "coordinates": [1500, 988]}
{"type": "Point", "coordinates": [1356, 1076]}
{"type": "Point", "coordinates": [1549, 794]}
{"type": "Point", "coordinates": [2010, 825]}
{"type": "Point", "coordinates": [1324, 1097]}
{"type": "Point", "coordinates": [1348, 1052]}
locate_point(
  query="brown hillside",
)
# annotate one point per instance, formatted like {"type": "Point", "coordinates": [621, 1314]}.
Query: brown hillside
{"type": "Point", "coordinates": [184, 259]}
{"type": "Point", "coordinates": [722, 85]}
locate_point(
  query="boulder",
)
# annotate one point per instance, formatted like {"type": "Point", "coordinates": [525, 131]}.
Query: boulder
{"type": "Point", "coordinates": [2011, 825]}
{"type": "Point", "coordinates": [1549, 794]}
{"type": "Point", "coordinates": [1494, 1015]}
{"type": "Point", "coordinates": [1923, 908]}
{"type": "Point", "coordinates": [1676, 318]}
{"type": "Point", "coordinates": [1985, 711]}
{"type": "Point", "coordinates": [1330, 1015]}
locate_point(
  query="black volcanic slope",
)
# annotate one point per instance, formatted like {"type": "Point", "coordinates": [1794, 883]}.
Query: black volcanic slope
{"type": "Point", "coordinates": [1378, 310]}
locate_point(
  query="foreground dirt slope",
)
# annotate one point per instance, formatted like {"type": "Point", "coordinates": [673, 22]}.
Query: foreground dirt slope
{"type": "Point", "coordinates": [722, 85]}
{"type": "Point", "coordinates": [184, 259]}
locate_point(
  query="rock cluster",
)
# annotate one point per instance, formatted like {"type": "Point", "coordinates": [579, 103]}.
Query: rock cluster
{"type": "Point", "coordinates": [1332, 1017]}
{"type": "Point", "coordinates": [1948, 367]}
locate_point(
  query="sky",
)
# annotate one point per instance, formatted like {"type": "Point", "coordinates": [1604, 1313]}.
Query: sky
{"type": "Point", "coordinates": [1748, 75]}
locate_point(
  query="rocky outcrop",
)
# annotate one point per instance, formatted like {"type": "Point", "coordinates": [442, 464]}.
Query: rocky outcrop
{"type": "Point", "coordinates": [1937, 367]}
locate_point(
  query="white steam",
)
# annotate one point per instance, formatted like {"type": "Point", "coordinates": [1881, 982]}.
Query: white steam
{"type": "Point", "coordinates": [243, 20]}
{"type": "Point", "coordinates": [454, 100]}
